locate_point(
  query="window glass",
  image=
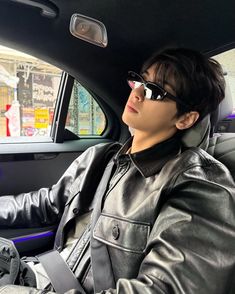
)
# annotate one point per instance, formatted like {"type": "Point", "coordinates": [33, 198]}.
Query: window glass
{"type": "Point", "coordinates": [28, 92]}
{"type": "Point", "coordinates": [227, 60]}
{"type": "Point", "coordinates": [85, 117]}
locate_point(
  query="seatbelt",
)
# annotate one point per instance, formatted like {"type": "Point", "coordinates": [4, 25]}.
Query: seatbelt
{"type": "Point", "coordinates": [100, 259]}
{"type": "Point", "coordinates": [60, 275]}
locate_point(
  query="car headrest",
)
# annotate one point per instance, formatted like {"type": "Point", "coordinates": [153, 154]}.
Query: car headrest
{"type": "Point", "coordinates": [225, 108]}
{"type": "Point", "coordinates": [198, 135]}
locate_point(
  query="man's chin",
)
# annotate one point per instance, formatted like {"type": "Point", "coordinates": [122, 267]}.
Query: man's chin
{"type": "Point", "coordinates": [124, 119]}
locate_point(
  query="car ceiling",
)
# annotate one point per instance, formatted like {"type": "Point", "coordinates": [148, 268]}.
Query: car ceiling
{"type": "Point", "coordinates": [135, 30]}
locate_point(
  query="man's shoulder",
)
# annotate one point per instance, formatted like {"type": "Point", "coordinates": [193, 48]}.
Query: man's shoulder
{"type": "Point", "coordinates": [195, 160]}
{"type": "Point", "coordinates": [102, 148]}
{"type": "Point", "coordinates": [105, 148]}
{"type": "Point", "coordinates": [98, 154]}
{"type": "Point", "coordinates": [196, 156]}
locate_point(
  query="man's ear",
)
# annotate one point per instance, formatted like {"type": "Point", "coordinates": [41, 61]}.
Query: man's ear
{"type": "Point", "coordinates": [187, 120]}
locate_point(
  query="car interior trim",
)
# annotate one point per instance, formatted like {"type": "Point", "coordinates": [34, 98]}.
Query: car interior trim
{"type": "Point", "coordinates": [48, 9]}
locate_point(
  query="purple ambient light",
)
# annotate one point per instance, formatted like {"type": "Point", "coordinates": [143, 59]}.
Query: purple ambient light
{"type": "Point", "coordinates": [32, 236]}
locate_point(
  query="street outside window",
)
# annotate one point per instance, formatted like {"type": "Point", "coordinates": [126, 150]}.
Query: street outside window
{"type": "Point", "coordinates": [28, 93]}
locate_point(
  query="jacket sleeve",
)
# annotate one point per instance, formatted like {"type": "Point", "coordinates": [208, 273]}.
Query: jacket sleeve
{"type": "Point", "coordinates": [42, 207]}
{"type": "Point", "coordinates": [191, 245]}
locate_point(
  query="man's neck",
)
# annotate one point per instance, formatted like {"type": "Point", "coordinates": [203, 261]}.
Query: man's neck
{"type": "Point", "coordinates": [143, 140]}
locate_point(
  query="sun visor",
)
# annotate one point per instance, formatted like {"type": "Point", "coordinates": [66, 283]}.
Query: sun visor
{"type": "Point", "coordinates": [89, 29]}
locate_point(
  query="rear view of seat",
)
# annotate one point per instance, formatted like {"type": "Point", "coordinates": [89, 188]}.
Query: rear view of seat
{"type": "Point", "coordinates": [222, 145]}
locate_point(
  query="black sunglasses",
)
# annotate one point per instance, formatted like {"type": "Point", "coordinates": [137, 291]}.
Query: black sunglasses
{"type": "Point", "coordinates": [152, 91]}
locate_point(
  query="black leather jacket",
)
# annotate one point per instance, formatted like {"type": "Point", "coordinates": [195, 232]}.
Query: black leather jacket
{"type": "Point", "coordinates": [175, 213]}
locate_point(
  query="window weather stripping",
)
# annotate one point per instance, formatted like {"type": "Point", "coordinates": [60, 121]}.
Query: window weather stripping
{"type": "Point", "coordinates": [48, 9]}
{"type": "Point", "coordinates": [89, 29]}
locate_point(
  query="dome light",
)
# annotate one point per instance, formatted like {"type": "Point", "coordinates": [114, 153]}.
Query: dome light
{"type": "Point", "coordinates": [89, 30]}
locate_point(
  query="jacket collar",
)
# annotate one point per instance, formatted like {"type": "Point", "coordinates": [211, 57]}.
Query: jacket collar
{"type": "Point", "coordinates": [151, 160]}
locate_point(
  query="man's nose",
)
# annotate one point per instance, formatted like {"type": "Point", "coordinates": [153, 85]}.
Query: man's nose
{"type": "Point", "coordinates": [139, 93]}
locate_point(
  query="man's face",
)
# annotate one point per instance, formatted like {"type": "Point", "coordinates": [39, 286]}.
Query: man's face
{"type": "Point", "coordinates": [149, 116]}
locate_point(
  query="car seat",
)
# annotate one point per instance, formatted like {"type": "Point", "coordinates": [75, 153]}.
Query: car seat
{"type": "Point", "coordinates": [220, 145]}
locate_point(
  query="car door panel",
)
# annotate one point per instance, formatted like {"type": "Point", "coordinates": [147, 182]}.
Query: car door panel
{"type": "Point", "coordinates": [31, 241]}
{"type": "Point", "coordinates": [28, 167]}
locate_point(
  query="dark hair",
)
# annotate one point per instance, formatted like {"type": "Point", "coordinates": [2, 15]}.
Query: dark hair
{"type": "Point", "coordinates": [196, 79]}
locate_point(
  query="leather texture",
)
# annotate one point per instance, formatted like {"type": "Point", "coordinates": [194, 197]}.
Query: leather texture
{"type": "Point", "coordinates": [169, 224]}
{"type": "Point", "coordinates": [222, 147]}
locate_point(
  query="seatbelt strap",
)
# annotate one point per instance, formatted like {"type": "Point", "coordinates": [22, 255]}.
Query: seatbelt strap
{"type": "Point", "coordinates": [100, 260]}
{"type": "Point", "coordinates": [60, 275]}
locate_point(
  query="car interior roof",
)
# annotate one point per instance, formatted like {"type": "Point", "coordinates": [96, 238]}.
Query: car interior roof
{"type": "Point", "coordinates": [135, 29]}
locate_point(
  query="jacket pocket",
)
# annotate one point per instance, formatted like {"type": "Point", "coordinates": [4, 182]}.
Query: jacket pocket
{"type": "Point", "coordinates": [124, 234]}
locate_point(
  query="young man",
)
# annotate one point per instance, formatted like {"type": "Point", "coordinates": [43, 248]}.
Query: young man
{"type": "Point", "coordinates": [163, 216]}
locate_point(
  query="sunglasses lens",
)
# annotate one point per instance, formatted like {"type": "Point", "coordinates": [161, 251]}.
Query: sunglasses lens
{"type": "Point", "coordinates": [134, 80]}
{"type": "Point", "coordinates": [134, 84]}
{"type": "Point", "coordinates": [151, 91]}
{"type": "Point", "coordinates": [156, 92]}
{"type": "Point", "coordinates": [148, 93]}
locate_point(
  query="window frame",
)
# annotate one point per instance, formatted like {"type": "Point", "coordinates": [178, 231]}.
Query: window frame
{"type": "Point", "coordinates": [61, 108]}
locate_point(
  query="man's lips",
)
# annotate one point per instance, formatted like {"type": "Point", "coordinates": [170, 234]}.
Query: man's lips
{"type": "Point", "coordinates": [131, 108]}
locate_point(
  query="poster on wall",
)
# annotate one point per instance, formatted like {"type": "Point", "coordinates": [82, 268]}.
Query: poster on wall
{"type": "Point", "coordinates": [27, 121]}
{"type": "Point", "coordinates": [41, 118]}
{"type": "Point", "coordinates": [43, 91]}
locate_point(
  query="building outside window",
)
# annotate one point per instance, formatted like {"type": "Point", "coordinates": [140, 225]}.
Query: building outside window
{"type": "Point", "coordinates": [28, 93]}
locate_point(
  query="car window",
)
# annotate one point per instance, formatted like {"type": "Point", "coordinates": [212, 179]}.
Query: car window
{"type": "Point", "coordinates": [227, 60]}
{"type": "Point", "coordinates": [28, 92]}
{"type": "Point", "coordinates": [85, 116]}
